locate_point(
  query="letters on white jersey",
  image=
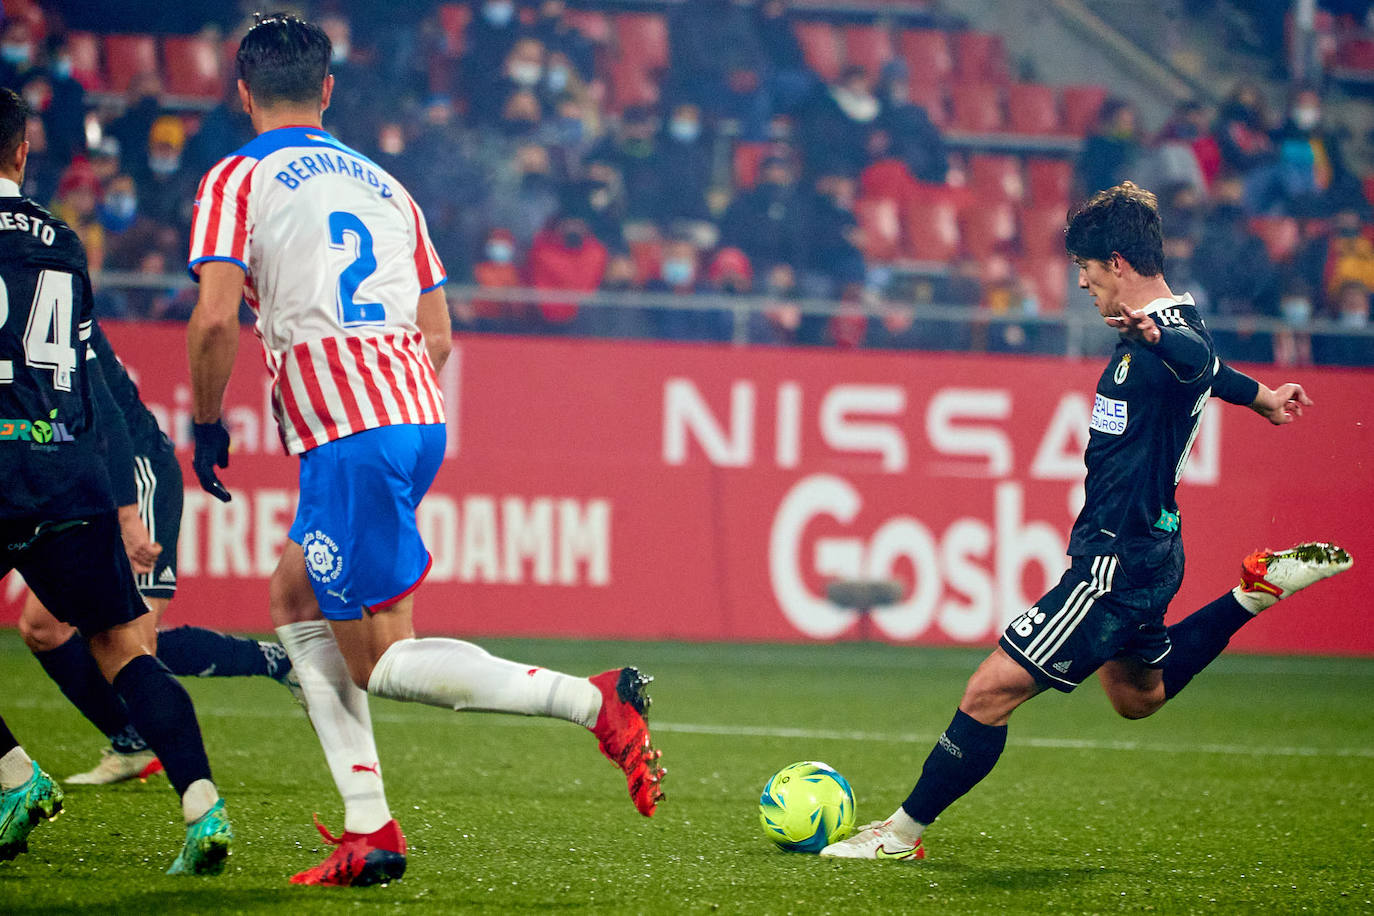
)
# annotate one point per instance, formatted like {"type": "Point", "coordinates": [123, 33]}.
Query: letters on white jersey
{"type": "Point", "coordinates": [336, 255]}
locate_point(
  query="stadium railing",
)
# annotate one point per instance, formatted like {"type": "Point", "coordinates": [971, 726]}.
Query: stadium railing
{"type": "Point", "coordinates": [1074, 332]}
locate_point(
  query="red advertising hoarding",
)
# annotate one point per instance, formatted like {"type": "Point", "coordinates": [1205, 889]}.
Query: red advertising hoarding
{"type": "Point", "coordinates": [664, 491]}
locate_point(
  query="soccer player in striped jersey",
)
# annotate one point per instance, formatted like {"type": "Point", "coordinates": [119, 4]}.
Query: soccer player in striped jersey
{"type": "Point", "coordinates": [58, 525]}
{"type": "Point", "coordinates": [147, 486]}
{"type": "Point", "coordinates": [333, 255]}
{"type": "Point", "coordinates": [1106, 615]}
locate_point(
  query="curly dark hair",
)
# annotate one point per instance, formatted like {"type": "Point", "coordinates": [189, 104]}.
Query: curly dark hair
{"type": "Point", "coordinates": [283, 59]}
{"type": "Point", "coordinates": [1124, 220]}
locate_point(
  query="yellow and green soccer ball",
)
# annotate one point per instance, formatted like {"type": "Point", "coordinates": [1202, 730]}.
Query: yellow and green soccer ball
{"type": "Point", "coordinates": [806, 807]}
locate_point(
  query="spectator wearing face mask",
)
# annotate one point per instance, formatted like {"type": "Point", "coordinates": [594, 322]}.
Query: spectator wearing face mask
{"type": "Point", "coordinates": [118, 205]}
{"type": "Point", "coordinates": [565, 256]}
{"type": "Point", "coordinates": [683, 158]}
{"type": "Point", "coordinates": [681, 274]}
{"type": "Point", "coordinates": [522, 71]}
{"type": "Point", "coordinates": [495, 269]}
{"type": "Point", "coordinates": [526, 197]}
{"type": "Point", "coordinates": [353, 115]}
{"type": "Point", "coordinates": [632, 149]}
{"type": "Point", "coordinates": [551, 26]}
{"type": "Point", "coordinates": [16, 54]}
{"type": "Point", "coordinates": [487, 40]}
{"type": "Point", "coordinates": [165, 189]}
{"type": "Point", "coordinates": [1352, 303]}
{"type": "Point", "coordinates": [770, 222]}
{"type": "Point", "coordinates": [1312, 169]}
{"type": "Point", "coordinates": [1293, 345]}
{"type": "Point", "coordinates": [836, 122]}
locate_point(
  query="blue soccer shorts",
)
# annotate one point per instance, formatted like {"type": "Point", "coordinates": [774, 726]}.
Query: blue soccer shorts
{"type": "Point", "coordinates": [1095, 613]}
{"type": "Point", "coordinates": [356, 516]}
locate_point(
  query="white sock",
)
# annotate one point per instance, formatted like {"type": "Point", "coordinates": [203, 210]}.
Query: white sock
{"type": "Point", "coordinates": [338, 711]}
{"type": "Point", "coordinates": [199, 797]}
{"type": "Point", "coordinates": [460, 675]}
{"type": "Point", "coordinates": [905, 826]}
{"type": "Point", "coordinates": [15, 768]}
{"type": "Point", "coordinates": [1256, 601]}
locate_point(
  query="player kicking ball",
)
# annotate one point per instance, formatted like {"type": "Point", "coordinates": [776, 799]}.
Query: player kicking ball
{"type": "Point", "coordinates": [58, 525]}
{"type": "Point", "coordinates": [335, 258]}
{"type": "Point", "coordinates": [1106, 615]}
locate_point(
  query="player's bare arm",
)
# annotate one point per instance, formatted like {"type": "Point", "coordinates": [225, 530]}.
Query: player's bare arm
{"type": "Point", "coordinates": [433, 322]}
{"type": "Point", "coordinates": [212, 337]}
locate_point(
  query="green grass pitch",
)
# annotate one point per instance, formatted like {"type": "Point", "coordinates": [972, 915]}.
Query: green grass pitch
{"type": "Point", "coordinates": [1253, 791]}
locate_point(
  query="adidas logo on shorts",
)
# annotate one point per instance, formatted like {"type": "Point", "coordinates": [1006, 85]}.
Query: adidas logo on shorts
{"type": "Point", "coordinates": [1063, 666]}
{"type": "Point", "coordinates": [167, 577]}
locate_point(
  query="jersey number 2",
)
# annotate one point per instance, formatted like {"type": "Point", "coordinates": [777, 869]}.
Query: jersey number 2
{"type": "Point", "coordinates": [347, 233]}
{"type": "Point", "coordinates": [48, 335]}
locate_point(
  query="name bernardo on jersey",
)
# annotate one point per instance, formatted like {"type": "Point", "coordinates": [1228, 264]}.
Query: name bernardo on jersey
{"type": "Point", "coordinates": [304, 168]}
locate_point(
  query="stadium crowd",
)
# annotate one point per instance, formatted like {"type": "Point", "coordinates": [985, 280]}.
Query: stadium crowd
{"type": "Point", "coordinates": [729, 167]}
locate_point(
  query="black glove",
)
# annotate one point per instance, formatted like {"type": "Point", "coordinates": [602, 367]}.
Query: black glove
{"type": "Point", "coordinates": [212, 451]}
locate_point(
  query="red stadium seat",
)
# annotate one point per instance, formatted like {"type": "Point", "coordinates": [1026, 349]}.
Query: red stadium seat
{"type": "Point", "coordinates": [453, 22]}
{"type": "Point", "coordinates": [927, 55]}
{"type": "Point", "coordinates": [747, 159]}
{"type": "Point", "coordinates": [593, 24]}
{"type": "Point", "coordinates": [879, 222]}
{"type": "Point", "coordinates": [821, 48]}
{"type": "Point", "coordinates": [1032, 109]}
{"type": "Point", "coordinates": [84, 48]}
{"type": "Point", "coordinates": [988, 227]}
{"type": "Point", "coordinates": [995, 177]}
{"type": "Point", "coordinates": [1280, 235]}
{"type": "Point", "coordinates": [979, 58]}
{"type": "Point", "coordinates": [1042, 230]}
{"type": "Point", "coordinates": [192, 66]}
{"type": "Point", "coordinates": [643, 39]}
{"type": "Point", "coordinates": [631, 84]}
{"type": "Point", "coordinates": [1049, 276]}
{"type": "Point", "coordinates": [1081, 104]}
{"type": "Point", "coordinates": [1050, 180]}
{"type": "Point", "coordinates": [931, 97]}
{"type": "Point", "coordinates": [128, 56]}
{"type": "Point", "coordinates": [868, 46]}
{"type": "Point", "coordinates": [931, 230]}
{"type": "Point", "coordinates": [977, 108]}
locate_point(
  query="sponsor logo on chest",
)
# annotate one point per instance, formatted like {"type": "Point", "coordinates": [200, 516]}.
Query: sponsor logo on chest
{"type": "Point", "coordinates": [1109, 416]}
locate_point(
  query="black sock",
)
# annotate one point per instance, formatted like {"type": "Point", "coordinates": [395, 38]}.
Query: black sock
{"type": "Point", "coordinates": [76, 674]}
{"type": "Point", "coordinates": [198, 652]}
{"type": "Point", "coordinates": [965, 753]}
{"type": "Point", "coordinates": [7, 740]}
{"type": "Point", "coordinates": [1199, 638]}
{"type": "Point", "coordinates": [162, 711]}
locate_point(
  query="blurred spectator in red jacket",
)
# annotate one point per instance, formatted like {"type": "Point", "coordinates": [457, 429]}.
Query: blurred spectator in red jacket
{"type": "Point", "coordinates": [495, 269]}
{"type": "Point", "coordinates": [566, 256]}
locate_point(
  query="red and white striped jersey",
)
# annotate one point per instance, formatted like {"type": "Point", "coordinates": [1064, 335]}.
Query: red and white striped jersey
{"type": "Point", "coordinates": [336, 255]}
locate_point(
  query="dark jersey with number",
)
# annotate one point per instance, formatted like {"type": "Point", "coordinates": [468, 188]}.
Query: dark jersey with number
{"type": "Point", "coordinates": [1146, 414]}
{"type": "Point", "coordinates": [51, 462]}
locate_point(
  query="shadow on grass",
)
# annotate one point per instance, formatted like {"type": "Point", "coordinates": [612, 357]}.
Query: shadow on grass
{"type": "Point", "coordinates": [1028, 878]}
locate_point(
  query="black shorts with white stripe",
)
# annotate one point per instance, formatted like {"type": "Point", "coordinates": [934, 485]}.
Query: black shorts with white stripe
{"type": "Point", "coordinates": [1095, 613]}
{"type": "Point", "coordinates": [158, 476]}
